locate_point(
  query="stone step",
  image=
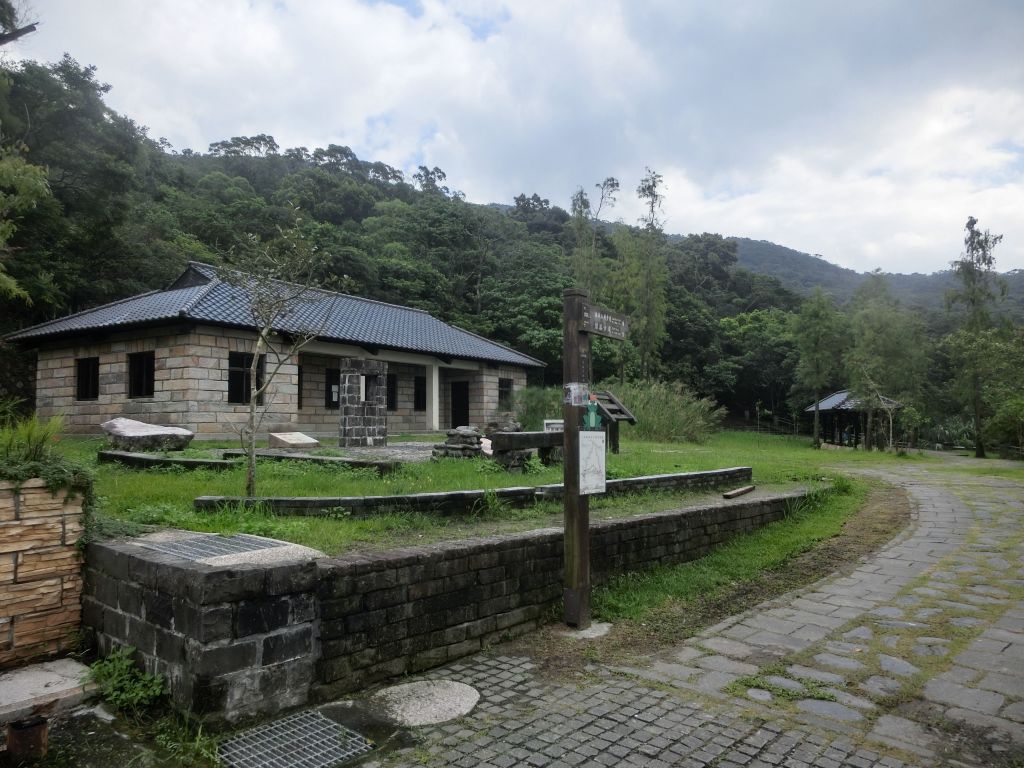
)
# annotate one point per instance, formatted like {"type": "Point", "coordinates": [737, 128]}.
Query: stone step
{"type": "Point", "coordinates": [42, 689]}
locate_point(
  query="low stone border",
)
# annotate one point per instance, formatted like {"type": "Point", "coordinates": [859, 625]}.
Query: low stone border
{"type": "Point", "coordinates": [150, 460]}
{"type": "Point", "coordinates": [460, 502]}
{"type": "Point", "coordinates": [383, 467]}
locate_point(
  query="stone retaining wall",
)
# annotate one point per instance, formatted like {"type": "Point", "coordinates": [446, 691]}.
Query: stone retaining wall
{"type": "Point", "coordinates": [40, 572]}
{"type": "Point", "coordinates": [236, 641]}
{"type": "Point", "coordinates": [463, 502]}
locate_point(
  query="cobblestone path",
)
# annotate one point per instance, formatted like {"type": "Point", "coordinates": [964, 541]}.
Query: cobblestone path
{"type": "Point", "coordinates": [916, 658]}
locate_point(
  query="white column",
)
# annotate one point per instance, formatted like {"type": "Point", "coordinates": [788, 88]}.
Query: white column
{"type": "Point", "coordinates": [433, 398]}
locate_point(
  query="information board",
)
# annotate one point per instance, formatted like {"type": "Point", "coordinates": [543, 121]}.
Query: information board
{"type": "Point", "coordinates": [592, 468]}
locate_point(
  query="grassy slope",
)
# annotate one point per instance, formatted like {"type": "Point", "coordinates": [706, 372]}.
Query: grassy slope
{"type": "Point", "coordinates": [164, 497]}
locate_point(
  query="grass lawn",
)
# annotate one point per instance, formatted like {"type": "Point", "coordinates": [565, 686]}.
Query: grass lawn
{"type": "Point", "coordinates": [163, 497]}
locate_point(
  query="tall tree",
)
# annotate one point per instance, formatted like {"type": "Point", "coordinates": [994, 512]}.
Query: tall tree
{"type": "Point", "coordinates": [277, 275]}
{"type": "Point", "coordinates": [888, 358]}
{"type": "Point", "coordinates": [980, 286]}
{"type": "Point", "coordinates": [818, 333]}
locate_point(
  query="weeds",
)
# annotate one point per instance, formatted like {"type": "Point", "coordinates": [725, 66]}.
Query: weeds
{"type": "Point", "coordinates": [123, 686]}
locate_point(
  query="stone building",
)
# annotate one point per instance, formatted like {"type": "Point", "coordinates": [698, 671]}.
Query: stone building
{"type": "Point", "coordinates": [180, 356]}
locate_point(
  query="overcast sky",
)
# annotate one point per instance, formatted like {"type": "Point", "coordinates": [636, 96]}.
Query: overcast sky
{"type": "Point", "coordinates": [864, 131]}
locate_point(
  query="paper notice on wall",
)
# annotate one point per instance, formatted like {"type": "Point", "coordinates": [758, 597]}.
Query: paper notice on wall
{"type": "Point", "coordinates": [592, 470]}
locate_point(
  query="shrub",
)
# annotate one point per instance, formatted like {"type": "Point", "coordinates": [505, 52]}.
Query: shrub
{"type": "Point", "coordinates": [534, 404]}
{"type": "Point", "coordinates": [668, 412]}
{"type": "Point", "coordinates": [29, 440]}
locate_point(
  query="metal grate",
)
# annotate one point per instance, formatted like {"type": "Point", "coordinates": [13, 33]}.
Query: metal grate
{"type": "Point", "coordinates": [201, 547]}
{"type": "Point", "coordinates": [303, 740]}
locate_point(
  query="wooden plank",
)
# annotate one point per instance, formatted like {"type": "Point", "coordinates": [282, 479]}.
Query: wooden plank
{"type": "Point", "coordinates": [738, 492]}
{"type": "Point", "coordinates": [521, 441]}
{"type": "Point", "coordinates": [576, 508]}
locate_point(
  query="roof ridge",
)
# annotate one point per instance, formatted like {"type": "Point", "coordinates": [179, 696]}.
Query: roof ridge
{"type": "Point", "coordinates": [81, 312]}
{"type": "Point", "coordinates": [328, 291]}
{"type": "Point", "coordinates": [200, 295]}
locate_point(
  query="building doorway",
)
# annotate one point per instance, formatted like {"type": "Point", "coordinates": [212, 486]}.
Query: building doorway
{"type": "Point", "coordinates": [460, 404]}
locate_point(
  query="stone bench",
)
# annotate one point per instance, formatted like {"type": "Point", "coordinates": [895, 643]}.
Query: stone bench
{"type": "Point", "coordinates": [510, 448]}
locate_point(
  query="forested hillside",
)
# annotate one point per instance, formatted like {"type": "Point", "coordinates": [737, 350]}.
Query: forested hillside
{"type": "Point", "coordinates": [94, 210]}
{"type": "Point", "coordinates": [803, 272]}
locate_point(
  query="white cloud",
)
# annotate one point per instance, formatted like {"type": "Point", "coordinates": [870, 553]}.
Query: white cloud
{"type": "Point", "coordinates": [866, 133]}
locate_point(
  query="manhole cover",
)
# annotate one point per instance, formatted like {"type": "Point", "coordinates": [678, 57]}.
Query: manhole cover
{"type": "Point", "coordinates": [201, 547]}
{"type": "Point", "coordinates": [427, 702]}
{"type": "Point", "coordinates": [303, 740]}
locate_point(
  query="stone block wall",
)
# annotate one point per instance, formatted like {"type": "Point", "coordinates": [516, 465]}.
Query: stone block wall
{"type": "Point", "coordinates": [238, 641]}
{"type": "Point", "coordinates": [409, 610]}
{"type": "Point", "coordinates": [404, 417]}
{"type": "Point", "coordinates": [232, 641]}
{"type": "Point", "coordinates": [483, 393]}
{"type": "Point", "coordinates": [190, 387]}
{"type": "Point", "coordinates": [40, 572]}
{"type": "Point", "coordinates": [363, 422]}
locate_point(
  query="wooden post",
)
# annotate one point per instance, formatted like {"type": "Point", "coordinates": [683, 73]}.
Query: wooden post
{"type": "Point", "coordinates": [575, 369]}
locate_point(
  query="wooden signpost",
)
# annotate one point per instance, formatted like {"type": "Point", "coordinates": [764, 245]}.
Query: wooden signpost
{"type": "Point", "coordinates": [580, 320]}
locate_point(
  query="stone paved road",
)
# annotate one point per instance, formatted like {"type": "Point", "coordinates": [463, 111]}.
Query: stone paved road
{"type": "Point", "coordinates": [916, 658]}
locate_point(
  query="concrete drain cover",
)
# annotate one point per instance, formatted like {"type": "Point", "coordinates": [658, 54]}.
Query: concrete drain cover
{"type": "Point", "coordinates": [303, 740]}
{"type": "Point", "coordinates": [201, 547]}
{"type": "Point", "coordinates": [426, 702]}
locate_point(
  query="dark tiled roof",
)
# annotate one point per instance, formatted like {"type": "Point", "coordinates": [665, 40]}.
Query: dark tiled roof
{"type": "Point", "coordinates": [843, 400]}
{"type": "Point", "coordinates": [200, 295]}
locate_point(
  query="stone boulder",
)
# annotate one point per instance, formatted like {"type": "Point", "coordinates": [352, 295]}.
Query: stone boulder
{"type": "Point", "coordinates": [292, 441]}
{"type": "Point", "coordinates": [460, 443]}
{"type": "Point", "coordinates": [139, 437]}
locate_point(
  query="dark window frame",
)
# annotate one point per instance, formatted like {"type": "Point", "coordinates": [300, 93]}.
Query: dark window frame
{"type": "Point", "coordinates": [505, 389]}
{"type": "Point", "coordinates": [239, 382]}
{"type": "Point", "coordinates": [419, 394]}
{"type": "Point", "coordinates": [87, 378]}
{"type": "Point", "coordinates": [299, 399]}
{"type": "Point", "coordinates": [141, 374]}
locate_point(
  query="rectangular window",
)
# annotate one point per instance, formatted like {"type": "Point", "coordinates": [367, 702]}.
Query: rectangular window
{"type": "Point", "coordinates": [392, 391]}
{"type": "Point", "coordinates": [141, 366]}
{"type": "Point", "coordinates": [332, 388]}
{"type": "Point", "coordinates": [299, 401]}
{"type": "Point", "coordinates": [504, 394]}
{"type": "Point", "coordinates": [239, 377]}
{"type": "Point", "coordinates": [87, 374]}
{"type": "Point", "coordinates": [419, 393]}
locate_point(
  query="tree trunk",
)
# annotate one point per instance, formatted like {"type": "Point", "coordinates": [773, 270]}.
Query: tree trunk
{"type": "Point", "coordinates": [250, 424]}
{"type": "Point", "coordinates": [979, 445]}
{"type": "Point", "coordinates": [817, 422]}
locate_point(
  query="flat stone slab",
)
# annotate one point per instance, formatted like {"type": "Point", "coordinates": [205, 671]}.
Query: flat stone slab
{"type": "Point", "coordinates": [131, 435]}
{"type": "Point", "coordinates": [426, 702]}
{"type": "Point", "coordinates": [896, 666]}
{"type": "Point", "coordinates": [838, 662]}
{"type": "Point", "coordinates": [139, 460]}
{"type": "Point", "coordinates": [595, 630]}
{"type": "Point", "coordinates": [218, 550]}
{"type": "Point", "coordinates": [833, 710]}
{"type": "Point", "coordinates": [292, 441]}
{"type": "Point", "coordinates": [52, 686]}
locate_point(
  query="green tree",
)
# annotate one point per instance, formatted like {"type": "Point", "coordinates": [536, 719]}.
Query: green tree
{"type": "Point", "coordinates": [980, 286]}
{"type": "Point", "coordinates": [887, 362]}
{"type": "Point", "coordinates": [818, 333]}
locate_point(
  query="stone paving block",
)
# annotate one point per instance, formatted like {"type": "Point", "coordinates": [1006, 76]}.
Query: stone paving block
{"type": "Point", "coordinates": [727, 647]}
{"type": "Point", "coordinates": [896, 666]}
{"type": "Point", "coordinates": [838, 662]}
{"type": "Point", "coordinates": [944, 692]}
{"type": "Point", "coordinates": [1010, 685]}
{"type": "Point", "coordinates": [797, 670]}
{"type": "Point", "coordinates": [880, 686]}
{"type": "Point", "coordinates": [725, 664]}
